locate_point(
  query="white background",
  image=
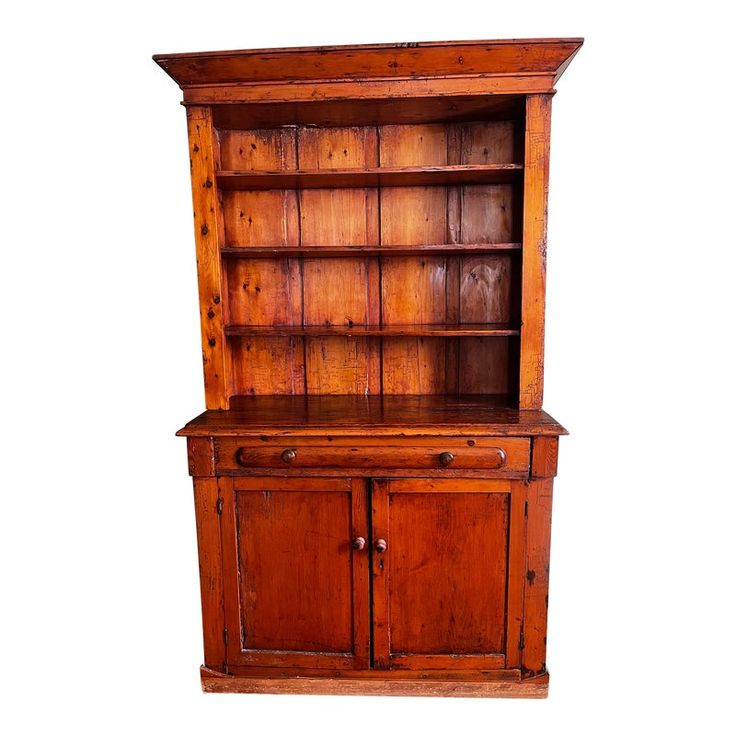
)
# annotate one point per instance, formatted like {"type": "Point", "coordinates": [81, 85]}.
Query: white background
{"type": "Point", "coordinates": [101, 364]}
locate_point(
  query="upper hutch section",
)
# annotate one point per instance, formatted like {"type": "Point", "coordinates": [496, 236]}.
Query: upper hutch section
{"type": "Point", "coordinates": [371, 220]}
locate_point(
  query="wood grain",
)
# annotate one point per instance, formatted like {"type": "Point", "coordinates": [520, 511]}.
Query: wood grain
{"type": "Point", "coordinates": [201, 453]}
{"type": "Point", "coordinates": [440, 329]}
{"type": "Point", "coordinates": [373, 474]}
{"type": "Point", "coordinates": [380, 415]}
{"type": "Point", "coordinates": [351, 251]}
{"type": "Point", "coordinates": [536, 176]}
{"type": "Point", "coordinates": [371, 89]}
{"type": "Point", "coordinates": [270, 366]}
{"type": "Point", "coordinates": [498, 453]}
{"type": "Point", "coordinates": [386, 176]}
{"type": "Point", "coordinates": [262, 291]}
{"type": "Point", "coordinates": [341, 292]}
{"type": "Point", "coordinates": [369, 111]}
{"type": "Point", "coordinates": [544, 457]}
{"type": "Point", "coordinates": [517, 570]}
{"type": "Point", "coordinates": [465, 684]}
{"type": "Point", "coordinates": [275, 602]}
{"type": "Point", "coordinates": [429, 59]}
{"type": "Point", "coordinates": [206, 497]}
{"type": "Point", "coordinates": [536, 587]}
{"type": "Point", "coordinates": [208, 228]}
{"type": "Point", "coordinates": [432, 536]}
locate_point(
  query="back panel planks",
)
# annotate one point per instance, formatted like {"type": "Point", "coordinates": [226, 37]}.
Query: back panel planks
{"type": "Point", "coordinates": [263, 291]}
{"type": "Point", "coordinates": [340, 291]}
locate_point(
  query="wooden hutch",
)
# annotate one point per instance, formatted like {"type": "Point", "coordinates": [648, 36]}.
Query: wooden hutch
{"type": "Point", "coordinates": [373, 473]}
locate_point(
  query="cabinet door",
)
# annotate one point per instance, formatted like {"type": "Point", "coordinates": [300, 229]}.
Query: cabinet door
{"type": "Point", "coordinates": [447, 588]}
{"type": "Point", "coordinates": [296, 591]}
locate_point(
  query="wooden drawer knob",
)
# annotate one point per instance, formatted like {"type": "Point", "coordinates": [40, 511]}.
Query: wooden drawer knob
{"type": "Point", "coordinates": [288, 456]}
{"type": "Point", "coordinates": [500, 458]}
{"type": "Point", "coordinates": [446, 458]}
{"type": "Point", "coordinates": [241, 456]}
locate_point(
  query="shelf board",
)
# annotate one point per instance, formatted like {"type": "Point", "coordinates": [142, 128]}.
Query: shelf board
{"type": "Point", "coordinates": [388, 414]}
{"type": "Point", "coordinates": [440, 330]}
{"type": "Point", "coordinates": [407, 176]}
{"type": "Point", "coordinates": [356, 251]}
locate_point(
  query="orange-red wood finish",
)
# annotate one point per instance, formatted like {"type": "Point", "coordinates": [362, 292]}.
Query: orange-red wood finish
{"type": "Point", "coordinates": [373, 472]}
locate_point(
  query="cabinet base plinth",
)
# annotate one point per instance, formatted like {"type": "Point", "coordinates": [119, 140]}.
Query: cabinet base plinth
{"type": "Point", "coordinates": [466, 685]}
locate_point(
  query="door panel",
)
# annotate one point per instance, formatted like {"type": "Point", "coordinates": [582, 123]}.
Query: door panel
{"type": "Point", "coordinates": [440, 588]}
{"type": "Point", "coordinates": [296, 591]}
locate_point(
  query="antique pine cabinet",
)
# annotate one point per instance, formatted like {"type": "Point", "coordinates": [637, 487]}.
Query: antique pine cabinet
{"type": "Point", "coordinates": [373, 471]}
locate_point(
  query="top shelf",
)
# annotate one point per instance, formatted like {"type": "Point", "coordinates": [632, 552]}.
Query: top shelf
{"type": "Point", "coordinates": [406, 176]}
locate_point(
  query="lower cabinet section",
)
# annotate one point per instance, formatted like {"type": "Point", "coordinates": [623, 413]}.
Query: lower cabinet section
{"type": "Point", "coordinates": [420, 574]}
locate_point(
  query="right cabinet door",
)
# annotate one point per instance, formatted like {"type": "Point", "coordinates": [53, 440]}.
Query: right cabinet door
{"type": "Point", "coordinates": [447, 566]}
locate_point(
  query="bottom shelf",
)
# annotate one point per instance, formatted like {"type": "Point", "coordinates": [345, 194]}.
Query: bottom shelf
{"type": "Point", "coordinates": [380, 414]}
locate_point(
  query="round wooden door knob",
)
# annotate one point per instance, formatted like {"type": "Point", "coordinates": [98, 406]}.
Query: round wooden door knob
{"type": "Point", "coordinates": [288, 456]}
{"type": "Point", "coordinates": [359, 543]}
{"type": "Point", "coordinates": [446, 458]}
{"type": "Point", "coordinates": [381, 545]}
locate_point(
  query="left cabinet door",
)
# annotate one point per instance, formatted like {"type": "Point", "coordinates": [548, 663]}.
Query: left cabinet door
{"type": "Point", "coordinates": [296, 581]}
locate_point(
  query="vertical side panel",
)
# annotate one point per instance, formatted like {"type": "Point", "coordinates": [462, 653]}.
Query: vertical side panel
{"type": "Point", "coordinates": [534, 255]}
{"type": "Point", "coordinates": [539, 518]}
{"type": "Point", "coordinates": [379, 573]}
{"type": "Point", "coordinates": [516, 569]}
{"type": "Point", "coordinates": [210, 572]}
{"type": "Point", "coordinates": [207, 230]}
{"type": "Point", "coordinates": [361, 587]}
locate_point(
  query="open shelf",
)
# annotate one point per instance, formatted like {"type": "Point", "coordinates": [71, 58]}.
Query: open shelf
{"type": "Point", "coordinates": [356, 251]}
{"type": "Point", "coordinates": [406, 176]}
{"type": "Point", "coordinates": [441, 330]}
{"type": "Point", "coordinates": [332, 285]}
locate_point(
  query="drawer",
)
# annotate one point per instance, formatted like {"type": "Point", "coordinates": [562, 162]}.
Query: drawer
{"type": "Point", "coordinates": [504, 454]}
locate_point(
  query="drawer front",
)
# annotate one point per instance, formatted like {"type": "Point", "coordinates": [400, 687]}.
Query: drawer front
{"type": "Point", "coordinates": [503, 454]}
